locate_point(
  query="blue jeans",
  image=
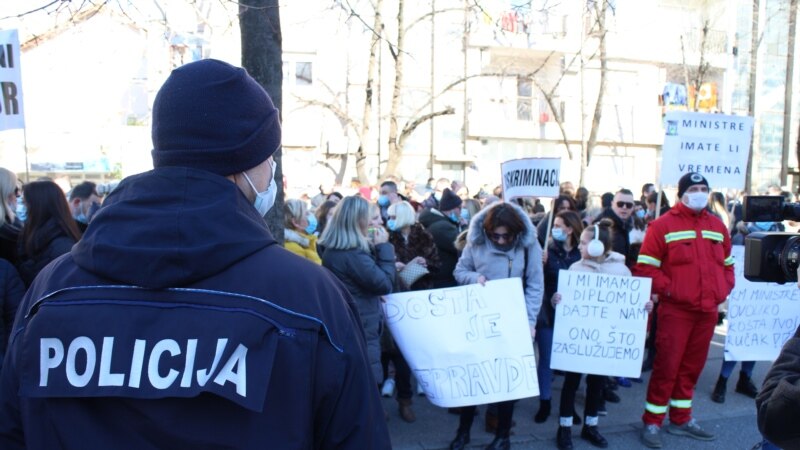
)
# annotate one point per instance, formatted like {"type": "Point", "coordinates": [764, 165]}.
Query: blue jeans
{"type": "Point", "coordinates": [727, 368]}
{"type": "Point", "coordinates": [544, 341]}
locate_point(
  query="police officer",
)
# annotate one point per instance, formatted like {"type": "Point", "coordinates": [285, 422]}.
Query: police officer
{"type": "Point", "coordinates": [687, 253]}
{"type": "Point", "coordinates": [178, 321]}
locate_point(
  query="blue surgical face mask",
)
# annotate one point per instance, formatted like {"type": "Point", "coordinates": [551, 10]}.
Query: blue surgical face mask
{"type": "Point", "coordinates": [392, 224]}
{"type": "Point", "coordinates": [383, 200]}
{"type": "Point", "coordinates": [454, 217]}
{"type": "Point", "coordinates": [312, 224]}
{"type": "Point", "coordinates": [640, 214]}
{"type": "Point", "coordinates": [559, 234]}
{"type": "Point", "coordinates": [764, 226]}
{"type": "Point", "coordinates": [21, 211]}
{"type": "Point", "coordinates": [465, 214]}
{"type": "Point", "coordinates": [264, 200]}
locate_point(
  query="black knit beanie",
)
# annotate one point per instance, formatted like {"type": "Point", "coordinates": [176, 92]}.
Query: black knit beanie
{"type": "Point", "coordinates": [213, 116]}
{"type": "Point", "coordinates": [688, 180]}
{"type": "Point", "coordinates": [449, 200]}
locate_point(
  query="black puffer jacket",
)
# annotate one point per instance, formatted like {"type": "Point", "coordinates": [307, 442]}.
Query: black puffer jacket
{"type": "Point", "coordinates": [9, 239]}
{"type": "Point", "coordinates": [49, 243]}
{"type": "Point", "coordinates": [557, 258]}
{"type": "Point", "coordinates": [366, 276]}
{"type": "Point", "coordinates": [11, 292]}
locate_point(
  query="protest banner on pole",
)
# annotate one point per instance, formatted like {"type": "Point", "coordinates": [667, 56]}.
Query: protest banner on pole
{"type": "Point", "coordinates": [601, 324]}
{"type": "Point", "coordinates": [466, 345]}
{"type": "Point", "coordinates": [713, 145]}
{"type": "Point", "coordinates": [530, 177]}
{"type": "Point", "coordinates": [761, 316]}
{"type": "Point", "coordinates": [11, 111]}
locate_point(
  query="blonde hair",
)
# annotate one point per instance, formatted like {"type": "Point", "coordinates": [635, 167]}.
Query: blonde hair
{"type": "Point", "coordinates": [8, 186]}
{"type": "Point", "coordinates": [293, 209]}
{"type": "Point", "coordinates": [345, 230]}
{"type": "Point", "coordinates": [403, 214]}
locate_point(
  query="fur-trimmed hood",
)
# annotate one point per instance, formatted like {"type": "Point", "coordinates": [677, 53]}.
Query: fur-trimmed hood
{"type": "Point", "coordinates": [476, 235]}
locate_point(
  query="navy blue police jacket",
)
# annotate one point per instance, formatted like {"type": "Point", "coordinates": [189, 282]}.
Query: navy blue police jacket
{"type": "Point", "coordinates": [178, 322]}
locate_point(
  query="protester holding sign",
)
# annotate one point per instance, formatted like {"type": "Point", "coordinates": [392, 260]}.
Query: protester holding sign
{"type": "Point", "coordinates": [597, 256]}
{"type": "Point", "coordinates": [687, 253]}
{"type": "Point", "coordinates": [501, 243]}
{"type": "Point", "coordinates": [561, 254]}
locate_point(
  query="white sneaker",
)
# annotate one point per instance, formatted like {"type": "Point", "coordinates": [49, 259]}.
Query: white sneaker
{"type": "Point", "coordinates": [388, 387]}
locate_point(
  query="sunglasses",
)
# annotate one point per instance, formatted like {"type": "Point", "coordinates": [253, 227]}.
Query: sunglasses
{"type": "Point", "coordinates": [626, 205]}
{"type": "Point", "coordinates": [497, 236]}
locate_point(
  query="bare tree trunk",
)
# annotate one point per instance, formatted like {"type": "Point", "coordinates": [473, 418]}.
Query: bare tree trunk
{"type": "Point", "coordinates": [260, 25]}
{"type": "Point", "coordinates": [396, 151]}
{"type": "Point", "coordinates": [600, 8]}
{"type": "Point", "coordinates": [361, 156]}
{"type": "Point", "coordinates": [787, 98]}
{"type": "Point", "coordinates": [559, 120]}
{"type": "Point", "coordinates": [751, 104]}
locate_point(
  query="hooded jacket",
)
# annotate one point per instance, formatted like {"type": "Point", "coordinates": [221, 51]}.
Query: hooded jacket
{"type": "Point", "coordinates": [49, 243]}
{"type": "Point", "coordinates": [481, 257]}
{"type": "Point", "coordinates": [201, 333]}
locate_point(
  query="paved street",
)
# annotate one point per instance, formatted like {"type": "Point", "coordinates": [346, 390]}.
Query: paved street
{"type": "Point", "coordinates": [734, 423]}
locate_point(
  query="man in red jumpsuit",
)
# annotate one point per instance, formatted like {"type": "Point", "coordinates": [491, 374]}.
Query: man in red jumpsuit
{"type": "Point", "coordinates": [687, 253]}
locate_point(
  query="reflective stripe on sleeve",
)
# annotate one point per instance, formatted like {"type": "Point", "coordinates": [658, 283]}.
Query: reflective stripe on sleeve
{"type": "Point", "coordinates": [729, 261]}
{"type": "Point", "coordinates": [679, 236]}
{"type": "Point", "coordinates": [655, 409]}
{"type": "Point", "coordinates": [713, 235]}
{"type": "Point", "coordinates": [644, 259]}
{"type": "Point", "coordinates": [680, 403]}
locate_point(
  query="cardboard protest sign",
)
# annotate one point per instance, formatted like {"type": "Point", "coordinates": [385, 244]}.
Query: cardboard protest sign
{"type": "Point", "coordinates": [761, 316]}
{"type": "Point", "coordinates": [11, 112]}
{"type": "Point", "coordinates": [531, 177]}
{"type": "Point", "coordinates": [600, 324]}
{"type": "Point", "coordinates": [714, 145]}
{"type": "Point", "coordinates": [467, 345]}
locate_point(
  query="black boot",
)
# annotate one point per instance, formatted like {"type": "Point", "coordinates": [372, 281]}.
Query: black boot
{"type": "Point", "coordinates": [461, 441]}
{"type": "Point", "coordinates": [544, 411]}
{"type": "Point", "coordinates": [564, 438]}
{"type": "Point", "coordinates": [719, 390]}
{"type": "Point", "coordinates": [499, 443]}
{"type": "Point", "coordinates": [745, 386]}
{"type": "Point", "coordinates": [594, 437]}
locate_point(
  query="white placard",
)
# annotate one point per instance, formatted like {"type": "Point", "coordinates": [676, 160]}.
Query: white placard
{"type": "Point", "coordinates": [467, 345]}
{"type": "Point", "coordinates": [11, 111]}
{"type": "Point", "coordinates": [714, 145]}
{"type": "Point", "coordinates": [531, 177]}
{"type": "Point", "coordinates": [761, 316]}
{"type": "Point", "coordinates": [601, 324]}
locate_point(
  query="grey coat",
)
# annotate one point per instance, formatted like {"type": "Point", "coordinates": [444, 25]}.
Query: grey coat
{"type": "Point", "coordinates": [480, 257]}
{"type": "Point", "coordinates": [367, 276]}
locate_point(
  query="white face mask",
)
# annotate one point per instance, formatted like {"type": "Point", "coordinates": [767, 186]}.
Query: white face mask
{"type": "Point", "coordinates": [264, 200]}
{"type": "Point", "coordinates": [696, 200]}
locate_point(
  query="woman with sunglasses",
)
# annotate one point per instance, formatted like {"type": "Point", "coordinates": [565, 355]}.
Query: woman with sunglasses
{"type": "Point", "coordinates": [501, 243]}
{"type": "Point", "coordinates": [603, 260]}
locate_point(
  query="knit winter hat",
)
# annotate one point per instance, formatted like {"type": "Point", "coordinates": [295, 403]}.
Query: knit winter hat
{"type": "Point", "coordinates": [213, 116]}
{"type": "Point", "coordinates": [688, 180]}
{"type": "Point", "coordinates": [449, 200]}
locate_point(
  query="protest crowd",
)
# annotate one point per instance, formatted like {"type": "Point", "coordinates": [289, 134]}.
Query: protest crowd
{"type": "Point", "coordinates": [203, 242]}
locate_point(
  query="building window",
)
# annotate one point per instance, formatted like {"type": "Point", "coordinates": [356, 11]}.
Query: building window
{"type": "Point", "coordinates": [302, 73]}
{"type": "Point", "coordinates": [524, 99]}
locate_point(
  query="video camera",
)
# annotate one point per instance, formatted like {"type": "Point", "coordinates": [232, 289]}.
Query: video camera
{"type": "Point", "coordinates": [771, 256]}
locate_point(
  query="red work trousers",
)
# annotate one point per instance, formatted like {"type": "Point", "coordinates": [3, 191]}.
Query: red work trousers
{"type": "Point", "coordinates": [682, 341]}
